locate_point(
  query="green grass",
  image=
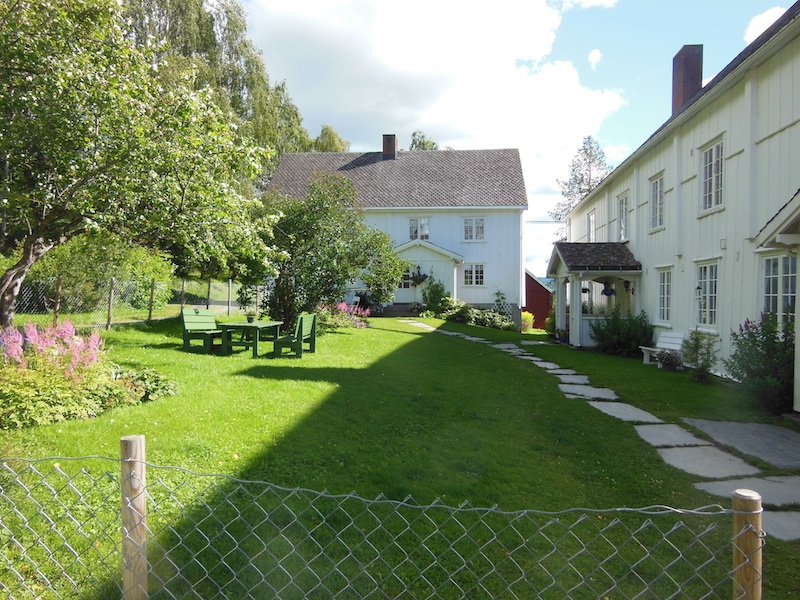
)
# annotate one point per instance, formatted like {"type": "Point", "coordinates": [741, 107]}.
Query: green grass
{"type": "Point", "coordinates": [399, 412]}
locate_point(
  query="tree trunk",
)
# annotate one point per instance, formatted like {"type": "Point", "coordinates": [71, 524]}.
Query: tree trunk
{"type": "Point", "coordinates": [10, 283]}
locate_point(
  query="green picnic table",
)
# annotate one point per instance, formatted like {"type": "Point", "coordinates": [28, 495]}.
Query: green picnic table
{"type": "Point", "coordinates": [251, 333]}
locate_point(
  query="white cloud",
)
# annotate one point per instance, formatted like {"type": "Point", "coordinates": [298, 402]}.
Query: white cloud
{"type": "Point", "coordinates": [594, 58]}
{"type": "Point", "coordinates": [470, 75]}
{"type": "Point", "coordinates": [760, 23]}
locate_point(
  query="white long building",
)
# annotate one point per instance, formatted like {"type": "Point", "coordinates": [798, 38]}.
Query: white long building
{"type": "Point", "coordinates": [700, 226]}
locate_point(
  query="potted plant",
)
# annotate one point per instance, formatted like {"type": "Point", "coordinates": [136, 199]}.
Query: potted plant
{"type": "Point", "coordinates": [251, 315]}
{"type": "Point", "coordinates": [669, 360]}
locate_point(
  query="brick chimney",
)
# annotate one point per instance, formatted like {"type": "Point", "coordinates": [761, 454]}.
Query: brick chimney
{"type": "Point", "coordinates": [389, 146]}
{"type": "Point", "coordinates": [687, 75]}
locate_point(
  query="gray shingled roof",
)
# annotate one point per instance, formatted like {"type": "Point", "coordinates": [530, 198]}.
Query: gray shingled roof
{"type": "Point", "coordinates": [597, 256]}
{"type": "Point", "coordinates": [418, 179]}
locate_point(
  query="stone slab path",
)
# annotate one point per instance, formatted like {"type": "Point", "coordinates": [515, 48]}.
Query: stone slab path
{"type": "Point", "coordinates": [683, 450]}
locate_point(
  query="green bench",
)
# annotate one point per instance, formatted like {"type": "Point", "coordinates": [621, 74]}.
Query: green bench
{"type": "Point", "coordinates": [305, 331]}
{"type": "Point", "coordinates": [200, 324]}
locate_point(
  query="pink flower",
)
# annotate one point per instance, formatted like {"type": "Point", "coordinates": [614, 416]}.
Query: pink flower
{"type": "Point", "coordinates": [13, 341]}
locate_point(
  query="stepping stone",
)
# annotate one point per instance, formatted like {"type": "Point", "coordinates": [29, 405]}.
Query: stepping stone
{"type": "Point", "coordinates": [577, 379]}
{"type": "Point", "coordinates": [546, 365]}
{"type": "Point", "coordinates": [512, 347]}
{"type": "Point", "coordinates": [530, 357]}
{"type": "Point", "coordinates": [626, 412]}
{"type": "Point", "coordinates": [776, 445]}
{"type": "Point", "coordinates": [534, 343]}
{"type": "Point", "coordinates": [662, 436]}
{"type": "Point", "coordinates": [587, 391]}
{"type": "Point", "coordinates": [782, 525]}
{"type": "Point", "coordinates": [706, 461]}
{"type": "Point", "coordinates": [776, 491]}
{"type": "Point", "coordinates": [563, 372]}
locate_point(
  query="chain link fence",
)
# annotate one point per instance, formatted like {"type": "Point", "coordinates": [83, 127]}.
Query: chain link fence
{"type": "Point", "coordinates": [207, 536]}
{"type": "Point", "coordinates": [104, 303]}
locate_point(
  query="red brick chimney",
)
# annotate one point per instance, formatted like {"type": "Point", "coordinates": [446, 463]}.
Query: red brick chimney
{"type": "Point", "coordinates": [389, 146]}
{"type": "Point", "coordinates": [687, 75]}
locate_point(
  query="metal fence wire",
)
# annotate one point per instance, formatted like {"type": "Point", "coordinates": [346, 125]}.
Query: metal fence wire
{"type": "Point", "coordinates": [216, 536]}
{"type": "Point", "coordinates": [89, 303]}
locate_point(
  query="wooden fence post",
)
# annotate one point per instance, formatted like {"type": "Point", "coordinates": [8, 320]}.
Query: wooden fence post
{"type": "Point", "coordinates": [134, 518]}
{"type": "Point", "coordinates": [747, 545]}
{"type": "Point", "coordinates": [152, 297]}
{"type": "Point", "coordinates": [110, 303]}
{"type": "Point", "coordinates": [57, 307]}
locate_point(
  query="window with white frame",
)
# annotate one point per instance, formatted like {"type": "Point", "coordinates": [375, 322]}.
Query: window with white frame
{"type": "Point", "coordinates": [405, 282]}
{"type": "Point", "coordinates": [473, 229]}
{"type": "Point", "coordinates": [418, 228]}
{"type": "Point", "coordinates": [712, 176]}
{"type": "Point", "coordinates": [780, 286]}
{"type": "Point", "coordinates": [622, 218]}
{"type": "Point", "coordinates": [664, 295]}
{"type": "Point", "coordinates": [590, 227]}
{"type": "Point", "coordinates": [707, 279]}
{"type": "Point", "coordinates": [657, 202]}
{"type": "Point", "coordinates": [473, 274]}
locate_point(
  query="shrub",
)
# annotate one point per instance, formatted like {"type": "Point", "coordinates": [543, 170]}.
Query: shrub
{"type": "Point", "coordinates": [461, 313]}
{"type": "Point", "coordinates": [435, 297]}
{"type": "Point", "coordinates": [340, 316]}
{"type": "Point", "coordinates": [763, 361]}
{"type": "Point", "coordinates": [620, 335]}
{"type": "Point", "coordinates": [52, 374]}
{"type": "Point", "coordinates": [700, 353]}
{"type": "Point", "coordinates": [527, 321]}
{"type": "Point", "coordinates": [550, 324]}
{"type": "Point", "coordinates": [88, 262]}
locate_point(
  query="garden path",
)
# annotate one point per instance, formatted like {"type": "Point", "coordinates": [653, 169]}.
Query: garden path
{"type": "Point", "coordinates": [682, 449]}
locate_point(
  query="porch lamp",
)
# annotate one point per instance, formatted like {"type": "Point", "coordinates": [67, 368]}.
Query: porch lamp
{"type": "Point", "coordinates": [698, 292]}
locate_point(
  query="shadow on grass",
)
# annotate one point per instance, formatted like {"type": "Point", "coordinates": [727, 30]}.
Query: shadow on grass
{"type": "Point", "coordinates": [427, 416]}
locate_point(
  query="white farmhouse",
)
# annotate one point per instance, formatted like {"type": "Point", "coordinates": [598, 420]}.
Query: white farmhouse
{"type": "Point", "coordinates": [700, 226]}
{"type": "Point", "coordinates": [455, 215]}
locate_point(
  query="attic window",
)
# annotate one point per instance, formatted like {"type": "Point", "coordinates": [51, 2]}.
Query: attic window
{"type": "Point", "coordinates": [418, 229]}
{"type": "Point", "coordinates": [473, 229]}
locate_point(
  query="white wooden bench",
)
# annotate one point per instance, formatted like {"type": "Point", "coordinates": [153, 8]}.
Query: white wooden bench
{"type": "Point", "coordinates": [667, 340]}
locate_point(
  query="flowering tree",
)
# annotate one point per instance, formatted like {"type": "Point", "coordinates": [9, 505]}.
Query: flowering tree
{"type": "Point", "coordinates": [91, 136]}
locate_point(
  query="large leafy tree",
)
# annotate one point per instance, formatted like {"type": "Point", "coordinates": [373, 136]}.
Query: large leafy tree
{"type": "Point", "coordinates": [588, 168]}
{"type": "Point", "coordinates": [212, 37]}
{"type": "Point", "coordinates": [421, 141]}
{"type": "Point", "coordinates": [324, 243]}
{"type": "Point", "coordinates": [329, 141]}
{"type": "Point", "coordinates": [91, 137]}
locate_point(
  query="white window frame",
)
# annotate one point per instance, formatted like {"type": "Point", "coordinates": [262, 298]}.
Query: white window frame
{"type": "Point", "coordinates": [591, 223]}
{"type": "Point", "coordinates": [419, 228]}
{"type": "Point", "coordinates": [665, 295]}
{"type": "Point", "coordinates": [657, 202]}
{"type": "Point", "coordinates": [780, 286]}
{"type": "Point", "coordinates": [474, 229]}
{"type": "Point", "coordinates": [707, 290]}
{"type": "Point", "coordinates": [405, 281]}
{"type": "Point", "coordinates": [713, 173]}
{"type": "Point", "coordinates": [623, 222]}
{"type": "Point", "coordinates": [474, 275]}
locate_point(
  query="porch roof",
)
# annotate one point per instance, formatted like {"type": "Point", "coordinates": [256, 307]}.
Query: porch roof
{"type": "Point", "coordinates": [580, 257]}
{"type": "Point", "coordinates": [457, 258]}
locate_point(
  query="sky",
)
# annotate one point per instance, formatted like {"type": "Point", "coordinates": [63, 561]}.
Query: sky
{"type": "Point", "coordinates": [536, 75]}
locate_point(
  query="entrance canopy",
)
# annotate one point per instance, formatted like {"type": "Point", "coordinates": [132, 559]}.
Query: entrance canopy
{"type": "Point", "coordinates": [572, 264]}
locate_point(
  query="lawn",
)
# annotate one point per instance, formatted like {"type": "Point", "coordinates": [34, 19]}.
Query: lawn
{"type": "Point", "coordinates": [397, 411]}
